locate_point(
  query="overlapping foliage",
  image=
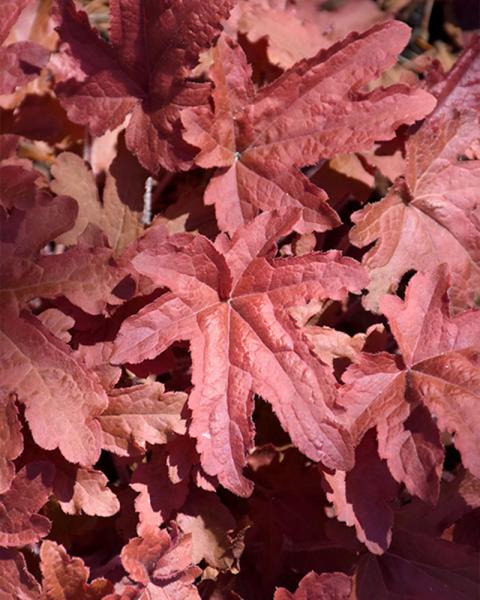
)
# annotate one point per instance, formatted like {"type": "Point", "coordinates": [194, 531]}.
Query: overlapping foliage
{"type": "Point", "coordinates": [239, 334]}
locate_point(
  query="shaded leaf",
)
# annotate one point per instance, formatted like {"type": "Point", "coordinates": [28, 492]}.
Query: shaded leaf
{"type": "Point", "coordinates": [140, 73]}
{"type": "Point", "coordinates": [326, 586]}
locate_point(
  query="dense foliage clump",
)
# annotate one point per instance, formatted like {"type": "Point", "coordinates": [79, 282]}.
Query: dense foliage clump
{"type": "Point", "coordinates": [240, 272]}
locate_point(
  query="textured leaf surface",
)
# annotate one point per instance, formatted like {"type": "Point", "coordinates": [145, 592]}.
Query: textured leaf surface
{"type": "Point", "coordinates": [430, 215]}
{"type": "Point", "coordinates": [11, 440]}
{"type": "Point", "coordinates": [62, 399]}
{"type": "Point", "coordinates": [232, 306]}
{"type": "Point", "coordinates": [141, 72]}
{"type": "Point", "coordinates": [15, 580]}
{"type": "Point", "coordinates": [309, 113]}
{"type": "Point", "coordinates": [382, 392]}
{"type": "Point", "coordinates": [65, 578]}
{"type": "Point", "coordinates": [139, 415]}
{"type": "Point", "coordinates": [20, 523]}
{"type": "Point", "coordinates": [157, 560]}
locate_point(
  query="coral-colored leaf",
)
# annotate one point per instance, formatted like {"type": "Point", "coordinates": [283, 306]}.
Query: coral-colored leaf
{"type": "Point", "coordinates": [20, 523]}
{"type": "Point", "coordinates": [430, 215]}
{"type": "Point", "coordinates": [65, 578]}
{"type": "Point", "coordinates": [11, 440]}
{"type": "Point", "coordinates": [309, 113]}
{"type": "Point", "coordinates": [326, 586]}
{"type": "Point", "coordinates": [118, 214]}
{"type": "Point", "coordinates": [85, 490]}
{"type": "Point", "coordinates": [139, 415]}
{"type": "Point", "coordinates": [62, 399]}
{"type": "Point", "coordinates": [233, 307]}
{"type": "Point", "coordinates": [158, 560]}
{"type": "Point", "coordinates": [15, 580]}
{"type": "Point", "coordinates": [141, 72]}
{"type": "Point", "coordinates": [440, 371]}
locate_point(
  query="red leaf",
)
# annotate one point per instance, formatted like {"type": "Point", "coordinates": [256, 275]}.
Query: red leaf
{"type": "Point", "coordinates": [11, 440]}
{"type": "Point", "coordinates": [15, 580]}
{"type": "Point", "coordinates": [440, 370]}
{"type": "Point", "coordinates": [369, 484]}
{"type": "Point", "coordinates": [141, 73]}
{"type": "Point", "coordinates": [61, 397]}
{"type": "Point", "coordinates": [83, 274]}
{"type": "Point", "coordinates": [260, 141]}
{"type": "Point", "coordinates": [430, 215]}
{"type": "Point", "coordinates": [65, 578]}
{"type": "Point", "coordinates": [233, 307]}
{"type": "Point", "coordinates": [418, 566]}
{"type": "Point", "coordinates": [20, 523]}
{"type": "Point", "coordinates": [326, 586]}
{"type": "Point", "coordinates": [158, 560]}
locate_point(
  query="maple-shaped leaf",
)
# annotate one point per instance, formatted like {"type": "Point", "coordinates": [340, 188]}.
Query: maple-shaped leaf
{"type": "Point", "coordinates": [439, 370]}
{"type": "Point", "coordinates": [11, 440]}
{"type": "Point", "coordinates": [20, 523]}
{"type": "Point", "coordinates": [118, 213]}
{"type": "Point", "coordinates": [21, 61]}
{"type": "Point", "coordinates": [369, 484]}
{"type": "Point", "coordinates": [231, 301]}
{"type": "Point", "coordinates": [141, 72]}
{"type": "Point", "coordinates": [62, 399]}
{"type": "Point", "coordinates": [162, 563]}
{"type": "Point", "coordinates": [430, 215]}
{"type": "Point", "coordinates": [65, 578]}
{"type": "Point", "coordinates": [326, 586]}
{"type": "Point", "coordinates": [15, 579]}
{"type": "Point", "coordinates": [259, 141]}
{"type": "Point", "coordinates": [139, 415]}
